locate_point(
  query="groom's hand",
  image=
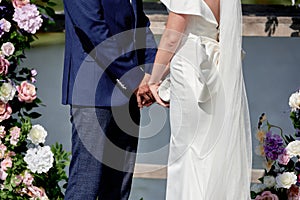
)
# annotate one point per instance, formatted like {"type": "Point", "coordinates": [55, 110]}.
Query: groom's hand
{"type": "Point", "coordinates": [143, 93]}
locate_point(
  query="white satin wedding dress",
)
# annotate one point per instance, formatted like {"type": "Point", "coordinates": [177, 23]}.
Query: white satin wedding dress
{"type": "Point", "coordinates": [210, 145]}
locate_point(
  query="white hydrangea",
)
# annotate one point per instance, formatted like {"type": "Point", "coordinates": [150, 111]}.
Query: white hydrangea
{"type": "Point", "coordinates": [269, 181]}
{"type": "Point", "coordinates": [7, 92]}
{"type": "Point", "coordinates": [39, 159]}
{"type": "Point", "coordinates": [258, 187]}
{"type": "Point", "coordinates": [37, 134]}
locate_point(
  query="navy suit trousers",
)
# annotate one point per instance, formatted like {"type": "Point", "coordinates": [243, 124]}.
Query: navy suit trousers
{"type": "Point", "coordinates": [104, 145]}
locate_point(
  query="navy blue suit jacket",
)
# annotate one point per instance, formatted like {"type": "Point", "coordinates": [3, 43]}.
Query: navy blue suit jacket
{"type": "Point", "coordinates": [124, 45]}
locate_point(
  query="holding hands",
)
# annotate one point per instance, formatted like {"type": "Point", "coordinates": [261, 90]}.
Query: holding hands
{"type": "Point", "coordinates": [147, 93]}
{"type": "Point", "coordinates": [143, 93]}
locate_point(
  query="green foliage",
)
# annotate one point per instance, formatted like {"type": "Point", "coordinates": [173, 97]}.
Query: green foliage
{"type": "Point", "coordinates": [19, 103]}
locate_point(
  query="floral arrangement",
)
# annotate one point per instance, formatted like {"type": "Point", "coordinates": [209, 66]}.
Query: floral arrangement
{"type": "Point", "coordinates": [29, 169]}
{"type": "Point", "coordinates": [281, 152]}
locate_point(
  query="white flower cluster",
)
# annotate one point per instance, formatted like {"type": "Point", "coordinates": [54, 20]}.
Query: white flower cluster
{"type": "Point", "coordinates": [284, 180]}
{"type": "Point", "coordinates": [39, 159]}
{"type": "Point", "coordinates": [294, 101]}
{"type": "Point", "coordinates": [28, 18]}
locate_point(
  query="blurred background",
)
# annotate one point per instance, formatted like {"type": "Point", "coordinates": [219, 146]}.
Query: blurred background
{"type": "Point", "coordinates": [271, 71]}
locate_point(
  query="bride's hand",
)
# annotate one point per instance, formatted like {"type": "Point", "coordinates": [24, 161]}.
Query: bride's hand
{"type": "Point", "coordinates": [154, 90]}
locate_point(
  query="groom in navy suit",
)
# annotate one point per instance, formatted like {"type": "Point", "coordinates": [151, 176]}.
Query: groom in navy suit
{"type": "Point", "coordinates": [108, 58]}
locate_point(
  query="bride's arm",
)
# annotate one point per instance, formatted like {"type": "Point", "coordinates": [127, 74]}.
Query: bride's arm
{"type": "Point", "coordinates": [168, 45]}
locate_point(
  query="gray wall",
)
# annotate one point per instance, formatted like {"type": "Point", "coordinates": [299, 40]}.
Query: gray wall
{"type": "Point", "coordinates": [271, 70]}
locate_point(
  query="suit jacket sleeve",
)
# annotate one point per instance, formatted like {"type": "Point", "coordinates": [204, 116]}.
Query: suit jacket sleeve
{"type": "Point", "coordinates": [150, 43]}
{"type": "Point", "coordinates": [88, 16]}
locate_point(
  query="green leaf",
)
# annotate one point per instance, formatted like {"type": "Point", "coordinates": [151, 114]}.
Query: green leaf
{"type": "Point", "coordinates": [33, 115]}
{"type": "Point", "coordinates": [51, 4]}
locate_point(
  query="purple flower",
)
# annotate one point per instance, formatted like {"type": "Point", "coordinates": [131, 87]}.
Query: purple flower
{"type": "Point", "coordinates": [28, 18]}
{"type": "Point", "coordinates": [273, 145]}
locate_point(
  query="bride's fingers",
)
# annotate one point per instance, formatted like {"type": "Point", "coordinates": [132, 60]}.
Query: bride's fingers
{"type": "Point", "coordinates": [154, 91]}
{"type": "Point", "coordinates": [158, 99]}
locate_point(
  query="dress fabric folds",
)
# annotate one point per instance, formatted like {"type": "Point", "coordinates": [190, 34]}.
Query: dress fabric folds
{"type": "Point", "coordinates": [210, 145]}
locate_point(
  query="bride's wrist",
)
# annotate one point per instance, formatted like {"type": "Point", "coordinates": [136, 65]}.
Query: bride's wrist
{"type": "Point", "coordinates": [151, 83]}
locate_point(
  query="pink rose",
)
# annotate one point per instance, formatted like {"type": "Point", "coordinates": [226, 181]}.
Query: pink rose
{"type": "Point", "coordinates": [267, 195]}
{"type": "Point", "coordinates": [3, 148]}
{"type": "Point", "coordinates": [20, 3]}
{"type": "Point", "coordinates": [3, 175]}
{"type": "Point", "coordinates": [11, 153]}
{"type": "Point", "coordinates": [7, 48]}
{"type": "Point", "coordinates": [294, 193]}
{"type": "Point", "coordinates": [6, 163]}
{"type": "Point", "coordinates": [4, 64]}
{"type": "Point", "coordinates": [2, 131]}
{"type": "Point", "coordinates": [5, 111]}
{"type": "Point", "coordinates": [284, 158]}
{"type": "Point", "coordinates": [26, 92]}
{"type": "Point", "coordinates": [28, 178]}
{"type": "Point", "coordinates": [14, 135]}
{"type": "Point", "coordinates": [36, 192]}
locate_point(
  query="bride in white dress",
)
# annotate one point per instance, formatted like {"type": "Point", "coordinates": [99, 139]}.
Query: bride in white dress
{"type": "Point", "coordinates": [210, 144]}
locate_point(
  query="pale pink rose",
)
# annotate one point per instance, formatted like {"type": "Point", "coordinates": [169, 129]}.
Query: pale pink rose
{"type": "Point", "coordinates": [6, 163]}
{"type": "Point", "coordinates": [36, 192]}
{"type": "Point", "coordinates": [3, 175]}
{"type": "Point", "coordinates": [284, 158]}
{"type": "Point", "coordinates": [20, 3]}
{"type": "Point", "coordinates": [26, 92]}
{"type": "Point", "coordinates": [4, 64]}
{"type": "Point", "coordinates": [2, 131]}
{"type": "Point", "coordinates": [3, 149]}
{"type": "Point", "coordinates": [267, 195]}
{"type": "Point", "coordinates": [294, 193]}
{"type": "Point", "coordinates": [5, 111]}
{"type": "Point", "coordinates": [14, 135]}
{"type": "Point", "coordinates": [28, 178]}
{"type": "Point", "coordinates": [8, 48]}
{"type": "Point", "coordinates": [5, 25]}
